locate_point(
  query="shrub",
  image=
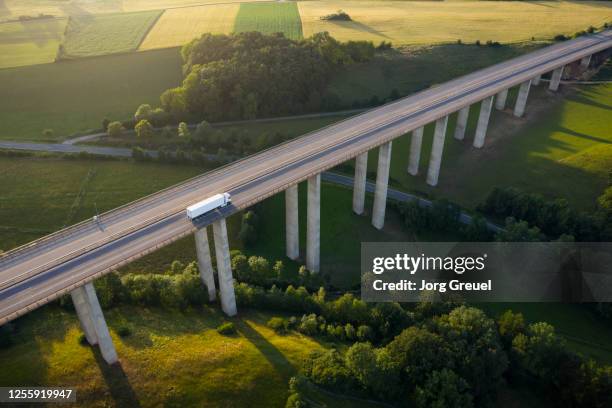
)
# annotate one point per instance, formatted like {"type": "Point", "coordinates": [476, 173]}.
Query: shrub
{"type": "Point", "coordinates": [278, 324]}
{"type": "Point", "coordinates": [124, 331]}
{"type": "Point", "coordinates": [560, 37]}
{"type": "Point", "coordinates": [365, 333]}
{"type": "Point", "coordinates": [48, 133]}
{"type": "Point", "coordinates": [337, 16]}
{"type": "Point", "coordinates": [226, 329]}
{"type": "Point", "coordinates": [115, 129]}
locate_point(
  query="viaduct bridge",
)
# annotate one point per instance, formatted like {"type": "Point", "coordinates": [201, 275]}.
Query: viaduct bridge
{"type": "Point", "coordinates": [69, 260]}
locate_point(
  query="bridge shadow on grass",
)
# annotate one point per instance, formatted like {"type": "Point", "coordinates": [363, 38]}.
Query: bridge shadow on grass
{"type": "Point", "coordinates": [267, 349]}
{"type": "Point", "coordinates": [116, 380]}
{"type": "Point", "coordinates": [588, 101]}
{"type": "Point", "coordinates": [583, 135]}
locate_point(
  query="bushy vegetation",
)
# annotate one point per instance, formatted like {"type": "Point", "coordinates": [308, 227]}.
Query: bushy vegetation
{"type": "Point", "coordinates": [226, 329]}
{"type": "Point", "coordinates": [339, 15]}
{"type": "Point", "coordinates": [250, 75]}
{"type": "Point", "coordinates": [554, 218]}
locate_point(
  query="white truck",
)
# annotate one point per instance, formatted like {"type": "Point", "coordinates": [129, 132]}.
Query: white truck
{"type": "Point", "coordinates": [211, 203]}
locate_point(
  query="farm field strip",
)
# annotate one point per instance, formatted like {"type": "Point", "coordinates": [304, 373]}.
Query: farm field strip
{"type": "Point", "coordinates": [91, 35]}
{"type": "Point", "coordinates": [178, 26]}
{"type": "Point", "coordinates": [417, 22]}
{"type": "Point", "coordinates": [30, 42]}
{"type": "Point", "coordinates": [270, 18]}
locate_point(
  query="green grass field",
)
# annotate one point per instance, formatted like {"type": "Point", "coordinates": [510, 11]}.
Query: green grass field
{"type": "Point", "coordinates": [270, 18]}
{"type": "Point", "coordinates": [75, 96]}
{"type": "Point", "coordinates": [91, 35]}
{"type": "Point", "coordinates": [30, 42]}
{"type": "Point", "coordinates": [171, 358]}
{"type": "Point", "coordinates": [426, 22]}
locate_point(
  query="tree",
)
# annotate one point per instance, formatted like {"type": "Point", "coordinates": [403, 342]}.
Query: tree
{"type": "Point", "coordinates": [540, 351]}
{"type": "Point", "coordinates": [278, 269]}
{"type": "Point", "coordinates": [144, 129]}
{"type": "Point", "coordinates": [443, 388]}
{"type": "Point", "coordinates": [143, 112]}
{"type": "Point", "coordinates": [48, 133]}
{"type": "Point", "coordinates": [183, 130]}
{"type": "Point", "coordinates": [260, 267]}
{"type": "Point", "coordinates": [518, 231]}
{"type": "Point", "coordinates": [510, 324]}
{"type": "Point", "coordinates": [115, 129]}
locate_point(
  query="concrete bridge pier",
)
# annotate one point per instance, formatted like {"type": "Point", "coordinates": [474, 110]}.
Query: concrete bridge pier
{"type": "Point", "coordinates": [224, 268]}
{"type": "Point", "coordinates": [92, 321]}
{"type": "Point", "coordinates": [292, 224]}
{"type": "Point", "coordinates": [536, 80]}
{"type": "Point", "coordinates": [416, 141]}
{"type": "Point", "coordinates": [555, 79]}
{"type": "Point", "coordinates": [483, 122]}
{"type": "Point", "coordinates": [435, 160]}
{"type": "Point", "coordinates": [382, 182]}
{"type": "Point", "coordinates": [359, 188]}
{"type": "Point", "coordinates": [585, 62]}
{"type": "Point", "coordinates": [521, 100]}
{"type": "Point", "coordinates": [313, 226]}
{"type": "Point", "coordinates": [205, 263]}
{"type": "Point", "coordinates": [462, 118]}
{"type": "Point", "coordinates": [500, 100]}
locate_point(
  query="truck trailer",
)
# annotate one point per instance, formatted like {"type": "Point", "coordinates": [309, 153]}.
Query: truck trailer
{"type": "Point", "coordinates": [211, 203]}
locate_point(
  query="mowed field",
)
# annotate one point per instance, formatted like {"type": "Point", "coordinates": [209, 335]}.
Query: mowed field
{"type": "Point", "coordinates": [178, 26]}
{"type": "Point", "coordinates": [77, 95]}
{"type": "Point", "coordinates": [30, 42]}
{"type": "Point", "coordinates": [282, 17]}
{"type": "Point", "coordinates": [91, 35]}
{"type": "Point", "coordinates": [415, 22]}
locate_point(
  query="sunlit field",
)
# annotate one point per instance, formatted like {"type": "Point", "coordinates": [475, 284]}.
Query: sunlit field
{"type": "Point", "coordinates": [415, 22]}
{"type": "Point", "coordinates": [30, 42]}
{"type": "Point", "coordinates": [179, 26]}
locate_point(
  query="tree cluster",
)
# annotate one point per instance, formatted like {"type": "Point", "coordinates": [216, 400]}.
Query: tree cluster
{"type": "Point", "coordinates": [251, 75]}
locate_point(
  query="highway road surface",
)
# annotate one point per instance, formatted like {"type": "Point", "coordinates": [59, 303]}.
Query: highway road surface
{"type": "Point", "coordinates": [43, 270]}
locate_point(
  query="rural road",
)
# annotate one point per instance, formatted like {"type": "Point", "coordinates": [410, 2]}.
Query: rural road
{"type": "Point", "coordinates": [43, 270]}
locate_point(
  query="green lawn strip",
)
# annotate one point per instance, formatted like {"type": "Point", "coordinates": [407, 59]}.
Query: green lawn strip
{"type": "Point", "coordinates": [269, 18]}
{"type": "Point", "coordinates": [90, 35]}
{"type": "Point", "coordinates": [75, 96]}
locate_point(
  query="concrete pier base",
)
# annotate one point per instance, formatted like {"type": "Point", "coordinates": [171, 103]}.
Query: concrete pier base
{"type": "Point", "coordinates": [483, 122]}
{"type": "Point", "coordinates": [359, 187]}
{"type": "Point", "coordinates": [462, 119]}
{"type": "Point", "coordinates": [313, 226]}
{"type": "Point", "coordinates": [416, 142]}
{"type": "Point", "coordinates": [382, 182]}
{"type": "Point", "coordinates": [536, 80]}
{"type": "Point", "coordinates": [521, 99]}
{"type": "Point", "coordinates": [224, 268]}
{"type": "Point", "coordinates": [585, 62]}
{"type": "Point", "coordinates": [555, 79]}
{"type": "Point", "coordinates": [437, 149]}
{"type": "Point", "coordinates": [205, 263]}
{"type": "Point", "coordinates": [92, 321]}
{"type": "Point", "coordinates": [292, 225]}
{"type": "Point", "coordinates": [500, 100]}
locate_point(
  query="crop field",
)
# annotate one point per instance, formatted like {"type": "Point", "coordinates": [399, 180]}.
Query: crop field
{"type": "Point", "coordinates": [270, 18]}
{"type": "Point", "coordinates": [66, 98]}
{"type": "Point", "coordinates": [91, 35]}
{"type": "Point", "coordinates": [30, 42]}
{"type": "Point", "coordinates": [415, 22]}
{"type": "Point", "coordinates": [179, 26]}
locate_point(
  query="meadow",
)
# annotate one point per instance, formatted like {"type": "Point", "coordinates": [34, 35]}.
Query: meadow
{"type": "Point", "coordinates": [30, 42]}
{"type": "Point", "coordinates": [91, 35]}
{"type": "Point", "coordinates": [171, 358]}
{"type": "Point", "coordinates": [64, 97]}
{"type": "Point", "coordinates": [270, 18]}
{"type": "Point", "coordinates": [426, 22]}
{"type": "Point", "coordinates": [178, 26]}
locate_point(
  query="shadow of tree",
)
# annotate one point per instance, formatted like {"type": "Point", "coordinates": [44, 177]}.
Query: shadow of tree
{"type": "Point", "coordinates": [357, 26]}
